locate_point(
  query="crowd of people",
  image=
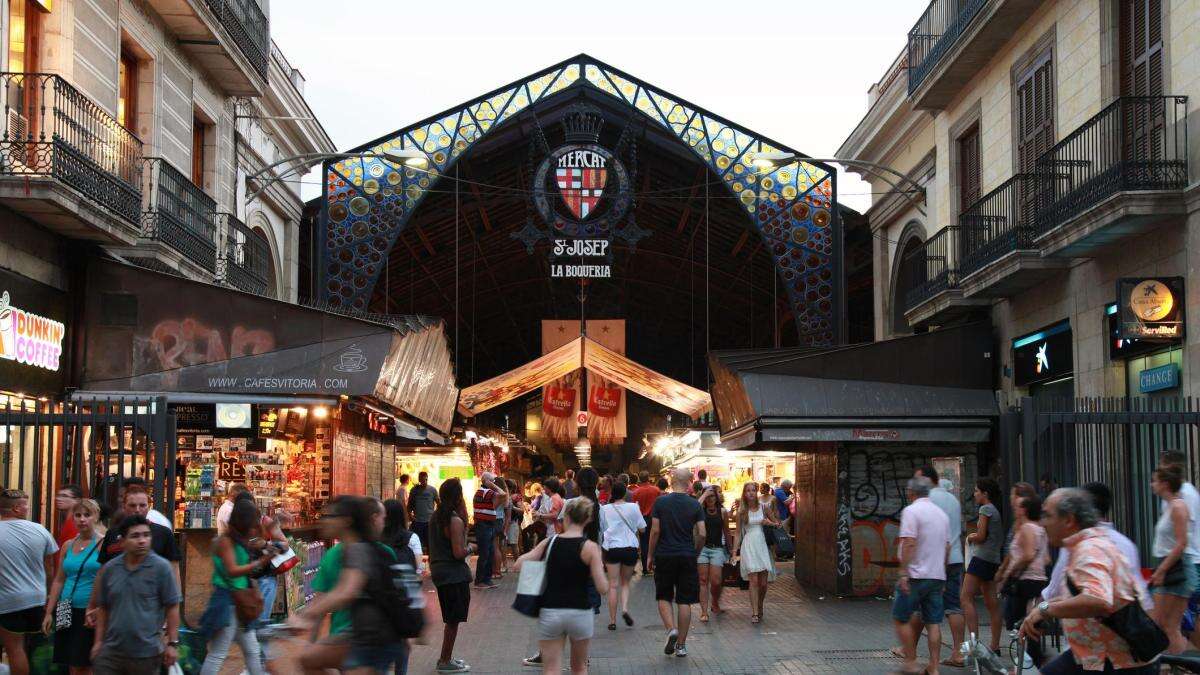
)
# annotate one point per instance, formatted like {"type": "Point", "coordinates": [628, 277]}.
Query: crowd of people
{"type": "Point", "coordinates": [1059, 564]}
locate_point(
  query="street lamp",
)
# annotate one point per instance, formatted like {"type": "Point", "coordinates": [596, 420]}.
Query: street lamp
{"type": "Point", "coordinates": [404, 156]}
{"type": "Point", "coordinates": [770, 160]}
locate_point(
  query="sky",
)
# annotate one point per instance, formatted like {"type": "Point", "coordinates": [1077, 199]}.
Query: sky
{"type": "Point", "coordinates": [795, 71]}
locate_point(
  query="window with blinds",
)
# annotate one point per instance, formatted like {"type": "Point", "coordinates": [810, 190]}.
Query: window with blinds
{"type": "Point", "coordinates": [1141, 44]}
{"type": "Point", "coordinates": [1035, 111]}
{"type": "Point", "coordinates": [970, 183]}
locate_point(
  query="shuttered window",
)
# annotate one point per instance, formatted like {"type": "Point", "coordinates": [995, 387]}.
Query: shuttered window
{"type": "Point", "coordinates": [969, 182]}
{"type": "Point", "coordinates": [1141, 40]}
{"type": "Point", "coordinates": [1035, 112]}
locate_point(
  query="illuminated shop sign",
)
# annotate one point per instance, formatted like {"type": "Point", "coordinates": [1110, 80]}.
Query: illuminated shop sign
{"type": "Point", "coordinates": [1150, 308]}
{"type": "Point", "coordinates": [1121, 348]}
{"type": "Point", "coordinates": [29, 338]}
{"type": "Point", "coordinates": [1043, 356]}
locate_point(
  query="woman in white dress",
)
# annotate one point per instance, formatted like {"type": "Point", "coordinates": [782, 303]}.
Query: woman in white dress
{"type": "Point", "coordinates": [751, 546]}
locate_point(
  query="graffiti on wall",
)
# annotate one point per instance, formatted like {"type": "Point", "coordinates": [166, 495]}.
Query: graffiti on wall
{"type": "Point", "coordinates": [176, 343]}
{"type": "Point", "coordinates": [876, 494]}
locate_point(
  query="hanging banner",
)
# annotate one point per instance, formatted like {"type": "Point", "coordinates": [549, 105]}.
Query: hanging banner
{"type": "Point", "coordinates": [560, 403]}
{"type": "Point", "coordinates": [605, 399]}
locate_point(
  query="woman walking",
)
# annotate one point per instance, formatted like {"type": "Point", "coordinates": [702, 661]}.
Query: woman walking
{"type": "Point", "coordinates": [72, 586]}
{"type": "Point", "coordinates": [1174, 577]}
{"type": "Point", "coordinates": [512, 531]}
{"type": "Point", "coordinates": [621, 523]}
{"type": "Point", "coordinates": [448, 553]}
{"type": "Point", "coordinates": [1022, 576]}
{"type": "Point", "coordinates": [65, 500]}
{"type": "Point", "coordinates": [572, 561]}
{"type": "Point", "coordinates": [766, 496]}
{"type": "Point", "coordinates": [713, 555]}
{"type": "Point", "coordinates": [751, 549]}
{"type": "Point", "coordinates": [232, 567]}
{"type": "Point", "coordinates": [987, 539]}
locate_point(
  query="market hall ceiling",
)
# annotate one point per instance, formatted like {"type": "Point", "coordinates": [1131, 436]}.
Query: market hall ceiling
{"type": "Point", "coordinates": [393, 234]}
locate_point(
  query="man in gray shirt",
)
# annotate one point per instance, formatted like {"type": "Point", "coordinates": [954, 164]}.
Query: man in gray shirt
{"type": "Point", "coordinates": [136, 592]}
{"type": "Point", "coordinates": [26, 558]}
{"type": "Point", "coordinates": [422, 500]}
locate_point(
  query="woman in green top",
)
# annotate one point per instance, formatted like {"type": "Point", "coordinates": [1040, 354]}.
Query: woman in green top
{"type": "Point", "coordinates": [231, 569]}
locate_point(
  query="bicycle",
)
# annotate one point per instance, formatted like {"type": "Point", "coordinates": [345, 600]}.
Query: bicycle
{"type": "Point", "coordinates": [986, 661]}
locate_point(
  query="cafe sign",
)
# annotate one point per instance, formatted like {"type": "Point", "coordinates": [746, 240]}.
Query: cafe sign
{"type": "Point", "coordinates": [29, 339]}
{"type": "Point", "coordinates": [1150, 308]}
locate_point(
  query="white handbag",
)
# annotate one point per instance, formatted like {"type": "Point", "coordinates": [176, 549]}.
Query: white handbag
{"type": "Point", "coordinates": [532, 583]}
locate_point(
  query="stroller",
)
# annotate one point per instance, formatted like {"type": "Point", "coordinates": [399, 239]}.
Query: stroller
{"type": "Point", "coordinates": [976, 653]}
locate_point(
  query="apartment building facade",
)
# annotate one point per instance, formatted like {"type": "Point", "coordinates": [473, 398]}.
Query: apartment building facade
{"type": "Point", "coordinates": [1054, 141]}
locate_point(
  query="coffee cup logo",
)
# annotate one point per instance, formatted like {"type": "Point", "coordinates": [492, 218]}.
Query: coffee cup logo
{"type": "Point", "coordinates": [8, 336]}
{"type": "Point", "coordinates": [28, 338]}
{"type": "Point", "coordinates": [351, 361]}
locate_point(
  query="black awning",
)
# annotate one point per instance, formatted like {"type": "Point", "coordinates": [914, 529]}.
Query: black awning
{"type": "Point", "coordinates": [932, 387]}
{"type": "Point", "coordinates": [147, 331]}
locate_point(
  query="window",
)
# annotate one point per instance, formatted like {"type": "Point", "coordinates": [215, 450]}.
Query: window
{"type": "Point", "coordinates": [127, 86]}
{"type": "Point", "coordinates": [24, 36]}
{"type": "Point", "coordinates": [1141, 38]}
{"type": "Point", "coordinates": [199, 134]}
{"type": "Point", "coordinates": [1034, 111]}
{"type": "Point", "coordinates": [969, 181]}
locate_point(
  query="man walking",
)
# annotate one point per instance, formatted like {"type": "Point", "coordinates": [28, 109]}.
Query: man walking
{"type": "Point", "coordinates": [488, 507]}
{"type": "Point", "coordinates": [136, 593]}
{"type": "Point", "coordinates": [676, 537]}
{"type": "Point", "coordinates": [924, 542]}
{"type": "Point", "coordinates": [951, 604]}
{"type": "Point", "coordinates": [422, 500]}
{"type": "Point", "coordinates": [26, 561]}
{"type": "Point", "coordinates": [645, 497]}
{"type": "Point", "coordinates": [570, 488]}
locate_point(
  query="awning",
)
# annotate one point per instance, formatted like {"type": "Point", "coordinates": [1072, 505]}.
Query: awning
{"type": "Point", "coordinates": [931, 387]}
{"type": "Point", "coordinates": [587, 353]}
{"type": "Point", "coordinates": [147, 331]}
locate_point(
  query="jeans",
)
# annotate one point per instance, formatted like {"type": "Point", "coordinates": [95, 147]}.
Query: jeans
{"type": "Point", "coordinates": [402, 660]}
{"type": "Point", "coordinates": [267, 586]}
{"type": "Point", "coordinates": [485, 540]}
{"type": "Point", "coordinates": [218, 649]}
{"type": "Point", "coordinates": [645, 542]}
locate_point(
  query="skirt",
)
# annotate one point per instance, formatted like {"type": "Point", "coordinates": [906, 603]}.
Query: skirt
{"type": "Point", "coordinates": [73, 646]}
{"type": "Point", "coordinates": [756, 557]}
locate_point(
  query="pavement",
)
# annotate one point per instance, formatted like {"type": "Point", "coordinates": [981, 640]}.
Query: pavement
{"type": "Point", "coordinates": [801, 632]}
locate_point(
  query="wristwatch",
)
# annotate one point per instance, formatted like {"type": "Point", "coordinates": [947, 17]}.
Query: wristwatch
{"type": "Point", "coordinates": [1044, 608]}
{"type": "Point", "coordinates": [173, 643]}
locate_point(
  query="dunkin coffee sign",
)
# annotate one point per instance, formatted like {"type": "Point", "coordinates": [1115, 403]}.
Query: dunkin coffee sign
{"type": "Point", "coordinates": [29, 339]}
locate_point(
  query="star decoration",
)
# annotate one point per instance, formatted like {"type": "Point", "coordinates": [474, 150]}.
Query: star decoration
{"type": "Point", "coordinates": [529, 235]}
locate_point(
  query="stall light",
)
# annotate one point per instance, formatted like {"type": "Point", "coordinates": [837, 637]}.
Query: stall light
{"type": "Point", "coordinates": [470, 434]}
{"type": "Point", "coordinates": [320, 412]}
{"type": "Point", "coordinates": [300, 410]}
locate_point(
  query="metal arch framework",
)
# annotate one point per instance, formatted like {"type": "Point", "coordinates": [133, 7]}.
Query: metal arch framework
{"type": "Point", "coordinates": [368, 201]}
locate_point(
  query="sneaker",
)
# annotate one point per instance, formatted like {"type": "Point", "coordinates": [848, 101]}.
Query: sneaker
{"type": "Point", "coordinates": [453, 666]}
{"type": "Point", "coordinates": [681, 651]}
{"type": "Point", "coordinates": [672, 637]}
{"type": "Point", "coordinates": [534, 661]}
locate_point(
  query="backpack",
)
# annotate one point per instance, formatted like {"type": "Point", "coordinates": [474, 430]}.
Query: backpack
{"type": "Point", "coordinates": [391, 607]}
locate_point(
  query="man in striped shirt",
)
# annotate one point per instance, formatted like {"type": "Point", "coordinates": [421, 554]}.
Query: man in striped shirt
{"type": "Point", "coordinates": [489, 515]}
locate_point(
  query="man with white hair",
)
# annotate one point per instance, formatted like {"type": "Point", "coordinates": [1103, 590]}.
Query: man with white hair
{"type": "Point", "coordinates": [487, 506]}
{"type": "Point", "coordinates": [924, 542]}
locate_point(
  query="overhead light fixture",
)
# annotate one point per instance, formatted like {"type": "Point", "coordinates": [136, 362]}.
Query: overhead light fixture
{"type": "Point", "coordinates": [406, 156]}
{"type": "Point", "coordinates": [770, 160]}
{"type": "Point", "coordinates": [320, 412]}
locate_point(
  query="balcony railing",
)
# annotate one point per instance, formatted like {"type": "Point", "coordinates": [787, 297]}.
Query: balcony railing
{"type": "Point", "coordinates": [1135, 143]}
{"type": "Point", "coordinates": [246, 260]}
{"type": "Point", "coordinates": [933, 267]}
{"type": "Point", "coordinates": [52, 129]}
{"type": "Point", "coordinates": [1003, 221]}
{"type": "Point", "coordinates": [935, 33]}
{"type": "Point", "coordinates": [179, 214]}
{"type": "Point", "coordinates": [247, 25]}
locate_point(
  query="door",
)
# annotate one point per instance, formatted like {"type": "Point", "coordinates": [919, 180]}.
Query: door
{"type": "Point", "coordinates": [1141, 52]}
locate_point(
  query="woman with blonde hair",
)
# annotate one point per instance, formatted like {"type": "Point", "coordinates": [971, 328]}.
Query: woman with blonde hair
{"type": "Point", "coordinates": [72, 586]}
{"type": "Point", "coordinates": [751, 549]}
{"type": "Point", "coordinates": [572, 559]}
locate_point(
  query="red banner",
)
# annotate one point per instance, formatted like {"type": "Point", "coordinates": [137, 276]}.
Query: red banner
{"type": "Point", "coordinates": [604, 401]}
{"type": "Point", "coordinates": [558, 401]}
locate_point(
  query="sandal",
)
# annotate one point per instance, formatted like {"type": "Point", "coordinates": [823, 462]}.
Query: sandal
{"type": "Point", "coordinates": [703, 618]}
{"type": "Point", "coordinates": [754, 618]}
{"type": "Point", "coordinates": [951, 663]}
{"type": "Point", "coordinates": [612, 626]}
{"type": "Point", "coordinates": [627, 619]}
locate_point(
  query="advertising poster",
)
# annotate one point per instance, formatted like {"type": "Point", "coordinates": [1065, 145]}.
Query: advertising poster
{"type": "Point", "coordinates": [605, 399]}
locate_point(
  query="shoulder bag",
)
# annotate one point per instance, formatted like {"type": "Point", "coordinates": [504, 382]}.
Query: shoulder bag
{"type": "Point", "coordinates": [1131, 623]}
{"type": "Point", "coordinates": [247, 602]}
{"type": "Point", "coordinates": [62, 611]}
{"type": "Point", "coordinates": [532, 584]}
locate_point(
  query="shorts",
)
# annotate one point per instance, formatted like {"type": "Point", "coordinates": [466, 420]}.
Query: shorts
{"type": "Point", "coordinates": [379, 658]}
{"type": "Point", "coordinates": [454, 601]}
{"type": "Point", "coordinates": [626, 555]}
{"type": "Point", "coordinates": [24, 620]}
{"type": "Point", "coordinates": [983, 569]}
{"type": "Point", "coordinates": [924, 596]}
{"type": "Point", "coordinates": [676, 579]}
{"type": "Point", "coordinates": [951, 602]}
{"type": "Point", "coordinates": [109, 662]}
{"type": "Point", "coordinates": [575, 624]}
{"type": "Point", "coordinates": [715, 557]}
{"type": "Point", "coordinates": [1183, 588]}
{"type": "Point", "coordinates": [422, 531]}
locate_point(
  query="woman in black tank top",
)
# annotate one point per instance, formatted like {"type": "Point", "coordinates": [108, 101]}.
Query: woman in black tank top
{"type": "Point", "coordinates": [572, 559]}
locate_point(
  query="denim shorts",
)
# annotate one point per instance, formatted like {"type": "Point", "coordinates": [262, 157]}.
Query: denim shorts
{"type": "Point", "coordinates": [379, 658]}
{"type": "Point", "coordinates": [1184, 588]}
{"type": "Point", "coordinates": [951, 602]}
{"type": "Point", "coordinates": [924, 596]}
{"type": "Point", "coordinates": [712, 556]}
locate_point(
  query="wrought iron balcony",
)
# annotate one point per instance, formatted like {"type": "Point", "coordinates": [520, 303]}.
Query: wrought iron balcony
{"type": "Point", "coordinates": [179, 214]}
{"type": "Point", "coordinates": [935, 33]}
{"type": "Point", "coordinates": [1134, 143]}
{"type": "Point", "coordinates": [1003, 221]}
{"type": "Point", "coordinates": [247, 25]}
{"type": "Point", "coordinates": [246, 260]}
{"type": "Point", "coordinates": [52, 129]}
{"type": "Point", "coordinates": [933, 268]}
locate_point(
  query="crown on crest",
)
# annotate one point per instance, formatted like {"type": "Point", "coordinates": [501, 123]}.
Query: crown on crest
{"type": "Point", "coordinates": [582, 124]}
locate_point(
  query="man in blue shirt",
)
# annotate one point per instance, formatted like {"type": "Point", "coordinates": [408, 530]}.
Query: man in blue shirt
{"type": "Point", "coordinates": [782, 494]}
